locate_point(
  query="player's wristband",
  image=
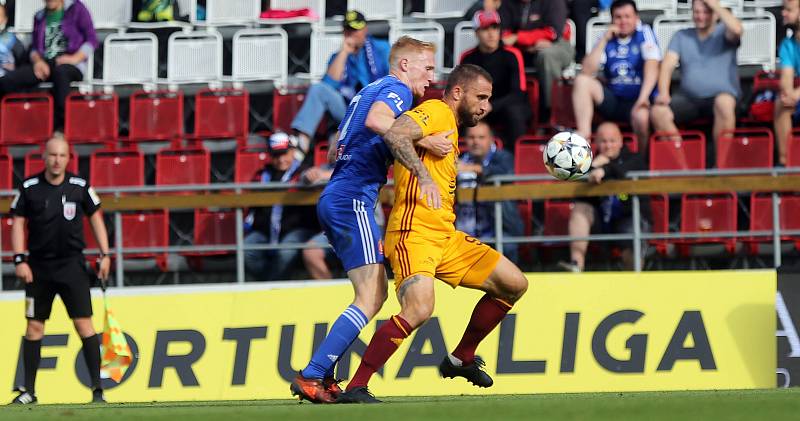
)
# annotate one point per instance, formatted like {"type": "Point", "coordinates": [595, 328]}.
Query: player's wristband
{"type": "Point", "coordinates": [20, 258]}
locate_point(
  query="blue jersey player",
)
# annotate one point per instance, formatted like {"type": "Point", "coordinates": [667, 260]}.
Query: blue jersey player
{"type": "Point", "coordinates": [346, 206]}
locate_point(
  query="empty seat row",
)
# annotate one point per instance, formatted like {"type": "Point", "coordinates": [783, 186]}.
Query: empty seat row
{"type": "Point", "coordinates": [94, 117]}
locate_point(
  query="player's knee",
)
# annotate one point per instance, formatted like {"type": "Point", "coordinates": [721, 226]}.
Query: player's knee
{"type": "Point", "coordinates": [418, 313]}
{"type": "Point", "coordinates": [518, 286]}
{"type": "Point", "coordinates": [640, 119]}
{"type": "Point", "coordinates": [582, 83]}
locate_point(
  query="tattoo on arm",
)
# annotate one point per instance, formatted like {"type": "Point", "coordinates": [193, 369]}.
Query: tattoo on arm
{"type": "Point", "coordinates": [400, 139]}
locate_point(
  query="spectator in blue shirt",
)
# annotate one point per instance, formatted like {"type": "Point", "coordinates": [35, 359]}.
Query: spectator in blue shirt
{"type": "Point", "coordinates": [789, 98]}
{"type": "Point", "coordinates": [481, 161]}
{"type": "Point", "coordinates": [361, 60]}
{"type": "Point", "coordinates": [629, 54]}
{"type": "Point", "coordinates": [11, 49]}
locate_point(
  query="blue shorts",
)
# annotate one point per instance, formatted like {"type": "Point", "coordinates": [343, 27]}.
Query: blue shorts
{"type": "Point", "coordinates": [351, 229]}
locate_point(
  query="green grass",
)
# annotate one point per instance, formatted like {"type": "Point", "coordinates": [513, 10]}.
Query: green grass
{"type": "Point", "coordinates": [770, 405]}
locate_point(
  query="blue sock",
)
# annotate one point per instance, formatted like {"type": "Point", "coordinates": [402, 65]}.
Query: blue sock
{"type": "Point", "coordinates": [344, 331]}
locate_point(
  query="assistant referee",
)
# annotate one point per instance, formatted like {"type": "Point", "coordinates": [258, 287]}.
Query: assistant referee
{"type": "Point", "coordinates": [53, 204]}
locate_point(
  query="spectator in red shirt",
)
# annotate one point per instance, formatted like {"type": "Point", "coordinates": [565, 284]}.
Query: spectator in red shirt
{"type": "Point", "coordinates": [539, 29]}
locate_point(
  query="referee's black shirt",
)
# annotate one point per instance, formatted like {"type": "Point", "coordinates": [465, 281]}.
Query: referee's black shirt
{"type": "Point", "coordinates": [55, 214]}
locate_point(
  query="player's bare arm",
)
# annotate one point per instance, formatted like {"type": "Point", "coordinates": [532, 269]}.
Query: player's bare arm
{"type": "Point", "coordinates": [438, 144]}
{"type": "Point", "coordinates": [381, 118]}
{"type": "Point", "coordinates": [400, 139]}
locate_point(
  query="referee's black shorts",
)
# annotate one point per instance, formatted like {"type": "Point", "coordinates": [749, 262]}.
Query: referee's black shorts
{"type": "Point", "coordinates": [67, 277]}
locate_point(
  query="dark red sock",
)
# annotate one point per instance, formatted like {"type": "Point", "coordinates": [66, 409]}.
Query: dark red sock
{"type": "Point", "coordinates": [488, 313]}
{"type": "Point", "coordinates": [385, 342]}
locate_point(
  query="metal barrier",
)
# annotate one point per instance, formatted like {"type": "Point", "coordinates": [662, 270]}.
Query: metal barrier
{"type": "Point", "coordinates": [498, 186]}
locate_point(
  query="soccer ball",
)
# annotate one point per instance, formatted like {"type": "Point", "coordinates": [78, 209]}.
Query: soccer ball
{"type": "Point", "coordinates": [567, 156]}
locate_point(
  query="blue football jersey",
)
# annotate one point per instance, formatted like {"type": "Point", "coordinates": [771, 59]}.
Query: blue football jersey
{"type": "Point", "coordinates": [362, 158]}
{"type": "Point", "coordinates": [624, 61]}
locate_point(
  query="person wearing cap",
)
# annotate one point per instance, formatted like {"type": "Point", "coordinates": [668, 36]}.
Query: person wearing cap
{"type": "Point", "coordinates": [278, 224]}
{"type": "Point", "coordinates": [539, 29]}
{"type": "Point", "coordinates": [360, 61]}
{"type": "Point", "coordinates": [510, 107]}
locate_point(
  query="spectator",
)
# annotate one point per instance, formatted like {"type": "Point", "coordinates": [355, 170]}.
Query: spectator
{"type": "Point", "coordinates": [539, 29]}
{"type": "Point", "coordinates": [580, 11]}
{"type": "Point", "coordinates": [316, 259]}
{"type": "Point", "coordinates": [361, 60]}
{"type": "Point", "coordinates": [278, 224]}
{"type": "Point", "coordinates": [156, 10]}
{"type": "Point", "coordinates": [629, 54]}
{"type": "Point", "coordinates": [63, 41]}
{"type": "Point", "coordinates": [11, 49]}
{"type": "Point", "coordinates": [609, 214]}
{"type": "Point", "coordinates": [510, 107]}
{"type": "Point", "coordinates": [487, 5]}
{"type": "Point", "coordinates": [709, 76]}
{"type": "Point", "coordinates": [481, 161]}
{"type": "Point", "coordinates": [786, 107]}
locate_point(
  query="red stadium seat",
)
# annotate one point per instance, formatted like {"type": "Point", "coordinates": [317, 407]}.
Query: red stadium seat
{"type": "Point", "coordinates": [34, 163]}
{"type": "Point", "coordinates": [91, 118]}
{"type": "Point", "coordinates": [629, 139]}
{"type": "Point", "coordinates": [183, 166]}
{"type": "Point", "coordinates": [5, 225]}
{"type": "Point", "coordinates": [525, 209]}
{"type": "Point", "coordinates": [712, 212]}
{"type": "Point", "coordinates": [146, 229]}
{"type": "Point", "coordinates": [562, 114]}
{"type": "Point", "coordinates": [793, 149]}
{"type": "Point", "coordinates": [533, 100]}
{"type": "Point", "coordinates": [125, 167]}
{"type": "Point", "coordinates": [6, 171]}
{"type": "Point", "coordinates": [686, 153]}
{"type": "Point", "coordinates": [116, 167]}
{"type": "Point", "coordinates": [745, 148]}
{"type": "Point", "coordinates": [284, 108]}
{"type": "Point", "coordinates": [26, 118]}
{"type": "Point", "coordinates": [528, 155]}
{"type": "Point", "coordinates": [556, 217]}
{"type": "Point", "coordinates": [222, 114]}
{"type": "Point", "coordinates": [761, 218]}
{"type": "Point", "coordinates": [659, 210]}
{"type": "Point", "coordinates": [213, 228]}
{"type": "Point", "coordinates": [320, 153]}
{"type": "Point", "coordinates": [250, 160]}
{"type": "Point", "coordinates": [156, 115]}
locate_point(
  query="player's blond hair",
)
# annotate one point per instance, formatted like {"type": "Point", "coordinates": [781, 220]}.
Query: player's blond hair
{"type": "Point", "coordinates": [406, 45]}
